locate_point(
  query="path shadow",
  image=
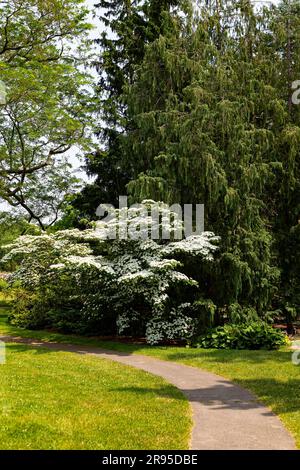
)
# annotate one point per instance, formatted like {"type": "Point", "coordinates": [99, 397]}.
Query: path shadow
{"type": "Point", "coordinates": [230, 396]}
{"type": "Point", "coordinates": [230, 356]}
{"type": "Point", "coordinates": [170, 353]}
{"type": "Point", "coordinates": [224, 394]}
{"type": "Point", "coordinates": [216, 397]}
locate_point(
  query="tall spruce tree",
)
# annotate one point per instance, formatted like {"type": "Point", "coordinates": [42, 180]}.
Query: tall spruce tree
{"type": "Point", "coordinates": [285, 30]}
{"type": "Point", "coordinates": [210, 130]}
{"type": "Point", "coordinates": [202, 112]}
{"type": "Point", "coordinates": [129, 27]}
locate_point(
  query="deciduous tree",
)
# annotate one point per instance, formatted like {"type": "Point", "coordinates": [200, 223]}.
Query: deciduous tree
{"type": "Point", "coordinates": [47, 110]}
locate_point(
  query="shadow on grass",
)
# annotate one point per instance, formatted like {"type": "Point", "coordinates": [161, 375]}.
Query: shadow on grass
{"type": "Point", "coordinates": [284, 397]}
{"type": "Point", "coordinates": [225, 356]}
{"type": "Point", "coordinates": [230, 396]}
{"type": "Point", "coordinates": [220, 396]}
{"type": "Point", "coordinates": [175, 354]}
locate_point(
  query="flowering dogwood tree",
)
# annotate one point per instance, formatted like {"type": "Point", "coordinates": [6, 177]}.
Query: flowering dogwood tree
{"type": "Point", "coordinates": [82, 281]}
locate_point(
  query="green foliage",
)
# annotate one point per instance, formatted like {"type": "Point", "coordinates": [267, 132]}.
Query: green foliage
{"type": "Point", "coordinates": [195, 108]}
{"type": "Point", "coordinates": [252, 335]}
{"type": "Point", "coordinates": [24, 314]}
{"type": "Point", "coordinates": [128, 28]}
{"type": "Point", "coordinates": [48, 105]}
{"type": "Point", "coordinates": [215, 127]}
{"type": "Point", "coordinates": [11, 227]}
{"type": "Point", "coordinates": [3, 285]}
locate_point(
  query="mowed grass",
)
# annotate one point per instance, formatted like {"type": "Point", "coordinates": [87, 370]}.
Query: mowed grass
{"type": "Point", "coordinates": [59, 400]}
{"type": "Point", "coordinates": [270, 375]}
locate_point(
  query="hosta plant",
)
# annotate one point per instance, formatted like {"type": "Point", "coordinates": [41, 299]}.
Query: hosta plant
{"type": "Point", "coordinates": [252, 335]}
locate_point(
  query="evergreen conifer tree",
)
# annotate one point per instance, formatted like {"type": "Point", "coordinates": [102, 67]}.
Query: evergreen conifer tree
{"type": "Point", "coordinates": [129, 27]}
{"type": "Point", "coordinates": [210, 130]}
{"type": "Point", "coordinates": [200, 109]}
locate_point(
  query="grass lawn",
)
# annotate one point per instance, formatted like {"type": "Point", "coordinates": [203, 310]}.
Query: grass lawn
{"type": "Point", "coordinates": [58, 400]}
{"type": "Point", "coordinates": [269, 374]}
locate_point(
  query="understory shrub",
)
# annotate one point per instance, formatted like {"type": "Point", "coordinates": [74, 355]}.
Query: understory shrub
{"type": "Point", "coordinates": [86, 282]}
{"type": "Point", "coordinates": [252, 335]}
{"type": "Point", "coordinates": [3, 285]}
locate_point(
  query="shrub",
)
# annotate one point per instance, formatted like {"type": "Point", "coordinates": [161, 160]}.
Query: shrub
{"type": "Point", "coordinates": [3, 285]}
{"type": "Point", "coordinates": [83, 281]}
{"type": "Point", "coordinates": [253, 335]}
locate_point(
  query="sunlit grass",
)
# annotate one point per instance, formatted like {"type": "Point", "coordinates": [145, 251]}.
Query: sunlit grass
{"type": "Point", "coordinates": [270, 375]}
{"type": "Point", "coordinates": [59, 400]}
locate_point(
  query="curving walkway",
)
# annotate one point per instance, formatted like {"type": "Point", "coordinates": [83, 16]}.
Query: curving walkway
{"type": "Point", "coordinates": [225, 415]}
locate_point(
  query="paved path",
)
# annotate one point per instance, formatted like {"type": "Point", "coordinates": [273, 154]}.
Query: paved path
{"type": "Point", "coordinates": [225, 415]}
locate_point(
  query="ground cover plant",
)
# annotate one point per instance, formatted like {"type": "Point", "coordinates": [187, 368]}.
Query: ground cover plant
{"type": "Point", "coordinates": [252, 335]}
